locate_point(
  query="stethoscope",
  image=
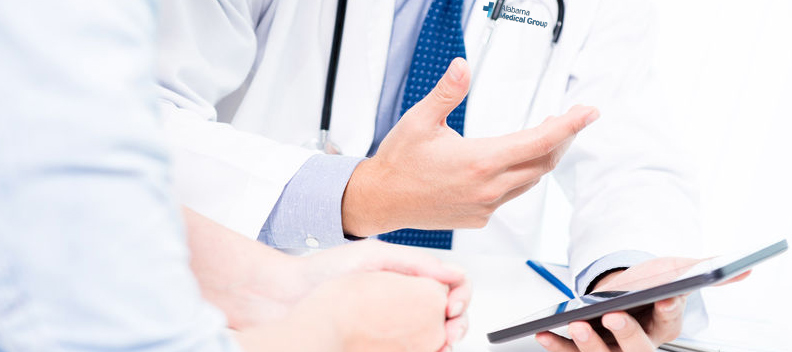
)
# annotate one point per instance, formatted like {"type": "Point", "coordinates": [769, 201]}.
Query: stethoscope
{"type": "Point", "coordinates": [326, 145]}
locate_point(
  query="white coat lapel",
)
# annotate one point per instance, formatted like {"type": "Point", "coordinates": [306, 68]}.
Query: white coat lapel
{"type": "Point", "coordinates": [364, 54]}
{"type": "Point", "coordinates": [501, 95]}
{"type": "Point", "coordinates": [577, 23]}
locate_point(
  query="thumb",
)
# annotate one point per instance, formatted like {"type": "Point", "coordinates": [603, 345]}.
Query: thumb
{"type": "Point", "coordinates": [409, 261]}
{"type": "Point", "coordinates": [449, 91]}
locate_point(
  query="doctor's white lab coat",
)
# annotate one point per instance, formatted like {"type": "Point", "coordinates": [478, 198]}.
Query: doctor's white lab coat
{"type": "Point", "coordinates": [242, 84]}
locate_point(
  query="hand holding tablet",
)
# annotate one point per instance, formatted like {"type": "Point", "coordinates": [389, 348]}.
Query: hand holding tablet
{"type": "Point", "coordinates": [635, 294]}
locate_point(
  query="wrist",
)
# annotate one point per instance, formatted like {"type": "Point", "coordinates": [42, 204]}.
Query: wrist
{"type": "Point", "coordinates": [603, 279]}
{"type": "Point", "coordinates": [365, 204]}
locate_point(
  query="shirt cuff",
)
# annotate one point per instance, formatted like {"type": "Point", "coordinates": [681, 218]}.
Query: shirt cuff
{"type": "Point", "coordinates": [616, 260]}
{"type": "Point", "coordinates": [308, 212]}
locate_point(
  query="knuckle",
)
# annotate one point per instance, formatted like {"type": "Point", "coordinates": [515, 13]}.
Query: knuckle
{"type": "Point", "coordinates": [521, 190]}
{"type": "Point", "coordinates": [529, 185]}
{"type": "Point", "coordinates": [482, 221]}
{"type": "Point", "coordinates": [532, 177]}
{"type": "Point", "coordinates": [428, 286]}
{"type": "Point", "coordinates": [577, 126]}
{"type": "Point", "coordinates": [488, 196]}
{"type": "Point", "coordinates": [491, 207]}
{"type": "Point", "coordinates": [473, 222]}
{"type": "Point", "coordinates": [543, 145]}
{"type": "Point", "coordinates": [549, 164]}
{"type": "Point", "coordinates": [629, 332]}
{"type": "Point", "coordinates": [442, 93]}
{"type": "Point", "coordinates": [440, 289]}
{"type": "Point", "coordinates": [482, 167]}
{"type": "Point", "coordinates": [622, 327]}
{"type": "Point", "coordinates": [669, 326]}
{"type": "Point", "coordinates": [672, 333]}
{"type": "Point", "coordinates": [439, 293]}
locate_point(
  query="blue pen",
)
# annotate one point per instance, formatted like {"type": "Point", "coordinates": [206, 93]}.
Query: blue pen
{"type": "Point", "coordinates": [543, 272]}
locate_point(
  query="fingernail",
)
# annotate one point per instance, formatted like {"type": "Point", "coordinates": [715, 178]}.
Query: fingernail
{"type": "Point", "coordinates": [615, 323]}
{"type": "Point", "coordinates": [579, 333]}
{"type": "Point", "coordinates": [456, 69]}
{"type": "Point", "coordinates": [592, 116]}
{"type": "Point", "coordinates": [543, 340]}
{"type": "Point", "coordinates": [456, 269]}
{"type": "Point", "coordinates": [669, 307]}
{"type": "Point", "coordinates": [455, 310]}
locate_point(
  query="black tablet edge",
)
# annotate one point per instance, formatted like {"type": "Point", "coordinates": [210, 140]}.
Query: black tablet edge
{"type": "Point", "coordinates": [638, 298]}
{"type": "Point", "coordinates": [625, 302]}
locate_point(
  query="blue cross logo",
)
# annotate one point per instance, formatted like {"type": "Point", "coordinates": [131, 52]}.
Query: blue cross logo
{"type": "Point", "coordinates": [489, 8]}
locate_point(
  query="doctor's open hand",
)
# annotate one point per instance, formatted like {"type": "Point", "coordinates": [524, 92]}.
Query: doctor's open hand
{"type": "Point", "coordinates": [426, 176]}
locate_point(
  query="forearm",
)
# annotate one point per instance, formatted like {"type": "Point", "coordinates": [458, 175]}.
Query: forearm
{"type": "Point", "coordinates": [364, 211]}
{"type": "Point", "coordinates": [233, 271]}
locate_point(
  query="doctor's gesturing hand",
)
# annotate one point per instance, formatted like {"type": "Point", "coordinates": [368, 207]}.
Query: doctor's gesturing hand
{"type": "Point", "coordinates": [426, 176]}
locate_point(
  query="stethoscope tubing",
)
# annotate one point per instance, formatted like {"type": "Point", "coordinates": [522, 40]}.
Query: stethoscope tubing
{"type": "Point", "coordinates": [332, 70]}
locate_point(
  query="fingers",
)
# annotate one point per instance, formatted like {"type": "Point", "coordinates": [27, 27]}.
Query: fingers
{"type": "Point", "coordinates": [516, 192]}
{"type": "Point", "coordinates": [522, 177]}
{"type": "Point", "coordinates": [409, 261]}
{"type": "Point", "coordinates": [666, 320]}
{"type": "Point", "coordinates": [586, 339]}
{"type": "Point", "coordinates": [532, 143]}
{"type": "Point", "coordinates": [529, 172]}
{"type": "Point", "coordinates": [456, 329]}
{"type": "Point", "coordinates": [555, 343]}
{"type": "Point", "coordinates": [737, 278]}
{"type": "Point", "coordinates": [459, 299]}
{"type": "Point", "coordinates": [628, 332]}
{"type": "Point", "coordinates": [449, 91]}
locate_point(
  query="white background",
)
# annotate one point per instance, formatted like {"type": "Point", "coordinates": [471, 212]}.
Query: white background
{"type": "Point", "coordinates": [726, 69]}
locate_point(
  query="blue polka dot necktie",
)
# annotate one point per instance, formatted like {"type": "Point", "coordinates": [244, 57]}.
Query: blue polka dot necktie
{"type": "Point", "coordinates": [439, 42]}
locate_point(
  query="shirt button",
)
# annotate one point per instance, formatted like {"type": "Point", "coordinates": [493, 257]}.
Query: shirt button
{"type": "Point", "coordinates": [312, 242]}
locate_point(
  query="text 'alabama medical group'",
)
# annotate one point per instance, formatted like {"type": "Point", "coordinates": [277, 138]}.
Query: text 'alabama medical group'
{"type": "Point", "coordinates": [512, 13]}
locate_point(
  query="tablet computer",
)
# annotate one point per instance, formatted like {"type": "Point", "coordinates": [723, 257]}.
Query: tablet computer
{"type": "Point", "coordinates": [591, 306]}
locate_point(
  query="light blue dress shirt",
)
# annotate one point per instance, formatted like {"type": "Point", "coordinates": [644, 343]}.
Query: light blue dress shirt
{"type": "Point", "coordinates": [92, 255]}
{"type": "Point", "coordinates": [310, 205]}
